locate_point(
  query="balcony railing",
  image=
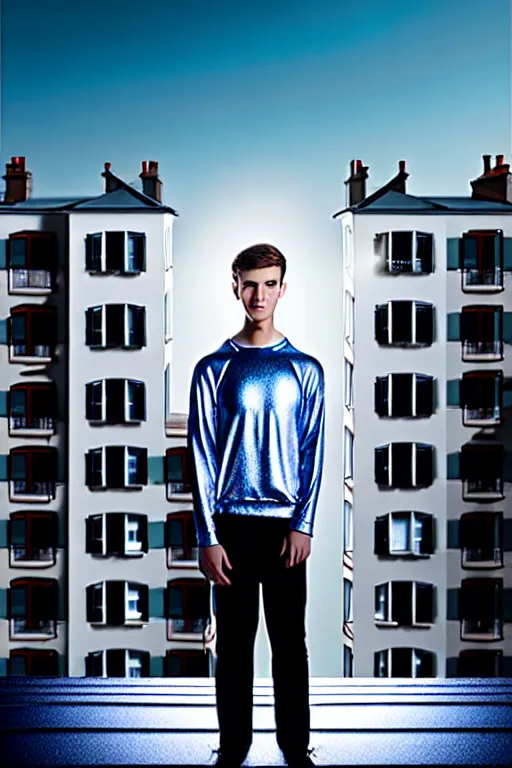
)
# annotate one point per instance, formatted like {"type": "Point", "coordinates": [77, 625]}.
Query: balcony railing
{"type": "Point", "coordinates": [196, 626]}
{"type": "Point", "coordinates": [179, 553]}
{"type": "Point", "coordinates": [406, 265]}
{"type": "Point", "coordinates": [23, 488]}
{"type": "Point", "coordinates": [484, 413]}
{"type": "Point", "coordinates": [491, 277]}
{"type": "Point", "coordinates": [32, 350]}
{"type": "Point", "coordinates": [40, 279]}
{"type": "Point", "coordinates": [27, 626]}
{"type": "Point", "coordinates": [35, 422]}
{"type": "Point", "coordinates": [492, 628]}
{"type": "Point", "coordinates": [20, 552]}
{"type": "Point", "coordinates": [483, 555]}
{"type": "Point", "coordinates": [494, 347]}
{"type": "Point", "coordinates": [178, 487]}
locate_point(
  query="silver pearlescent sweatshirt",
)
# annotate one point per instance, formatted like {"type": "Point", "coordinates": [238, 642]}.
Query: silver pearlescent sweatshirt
{"type": "Point", "coordinates": [256, 435]}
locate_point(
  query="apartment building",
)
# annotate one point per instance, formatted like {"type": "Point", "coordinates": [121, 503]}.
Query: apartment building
{"type": "Point", "coordinates": [427, 561]}
{"type": "Point", "coordinates": [98, 556]}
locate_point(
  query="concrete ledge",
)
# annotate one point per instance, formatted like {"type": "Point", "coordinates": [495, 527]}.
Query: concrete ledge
{"type": "Point", "coordinates": [87, 721]}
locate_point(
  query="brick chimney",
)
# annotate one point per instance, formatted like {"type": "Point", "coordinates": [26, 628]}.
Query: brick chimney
{"type": "Point", "coordinates": [356, 182]}
{"type": "Point", "coordinates": [111, 182]}
{"type": "Point", "coordinates": [494, 183]}
{"type": "Point", "coordinates": [151, 183]}
{"type": "Point", "coordinates": [398, 183]}
{"type": "Point", "coordinates": [18, 181]}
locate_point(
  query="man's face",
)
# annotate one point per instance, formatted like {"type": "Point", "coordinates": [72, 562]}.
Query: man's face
{"type": "Point", "coordinates": [259, 288]}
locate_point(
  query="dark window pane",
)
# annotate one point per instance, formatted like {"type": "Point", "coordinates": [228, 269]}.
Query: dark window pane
{"type": "Point", "coordinates": [115, 251]}
{"type": "Point", "coordinates": [401, 322]}
{"type": "Point", "coordinates": [115, 400]}
{"type": "Point", "coordinates": [402, 465]}
{"type": "Point", "coordinates": [402, 394]}
{"type": "Point", "coordinates": [18, 252]}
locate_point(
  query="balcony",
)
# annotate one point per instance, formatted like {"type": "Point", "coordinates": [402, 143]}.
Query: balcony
{"type": "Point", "coordinates": [481, 261]}
{"type": "Point", "coordinates": [32, 262]}
{"type": "Point", "coordinates": [482, 398]}
{"type": "Point", "coordinates": [481, 332]}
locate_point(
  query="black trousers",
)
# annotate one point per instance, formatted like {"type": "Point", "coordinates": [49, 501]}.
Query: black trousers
{"type": "Point", "coordinates": [253, 545]}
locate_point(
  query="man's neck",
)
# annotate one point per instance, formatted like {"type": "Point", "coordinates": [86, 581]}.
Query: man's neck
{"type": "Point", "coordinates": [257, 339]}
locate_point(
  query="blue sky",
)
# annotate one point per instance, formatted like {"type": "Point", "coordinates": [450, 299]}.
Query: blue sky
{"type": "Point", "coordinates": [254, 99]}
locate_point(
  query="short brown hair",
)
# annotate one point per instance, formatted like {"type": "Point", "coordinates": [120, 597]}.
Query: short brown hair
{"type": "Point", "coordinates": [258, 256]}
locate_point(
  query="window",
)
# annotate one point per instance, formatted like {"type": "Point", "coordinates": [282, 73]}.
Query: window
{"type": "Point", "coordinates": [188, 608]}
{"type": "Point", "coordinates": [32, 408]}
{"type": "Point", "coordinates": [481, 471]}
{"type": "Point", "coordinates": [116, 466]}
{"type": "Point", "coordinates": [481, 609]}
{"type": "Point", "coordinates": [116, 325]}
{"type": "Point", "coordinates": [404, 323]}
{"type": "Point", "coordinates": [349, 456]}
{"type": "Point", "coordinates": [410, 251]}
{"type": "Point", "coordinates": [480, 663]}
{"type": "Point", "coordinates": [118, 662]}
{"type": "Point", "coordinates": [404, 533]}
{"type": "Point", "coordinates": [481, 539]}
{"type": "Point", "coordinates": [167, 392]}
{"type": "Point", "coordinates": [116, 252]}
{"type": "Point", "coordinates": [481, 398]}
{"type": "Point", "coordinates": [188, 663]}
{"type": "Point", "coordinates": [348, 531]}
{"type": "Point", "coordinates": [32, 608]}
{"type": "Point", "coordinates": [348, 615]}
{"type": "Point", "coordinates": [348, 661]}
{"type": "Point", "coordinates": [124, 534]}
{"type": "Point", "coordinates": [32, 334]}
{"type": "Point", "coordinates": [32, 538]}
{"type": "Point", "coordinates": [115, 401]}
{"type": "Point", "coordinates": [403, 662]}
{"type": "Point", "coordinates": [117, 603]}
{"type": "Point", "coordinates": [167, 249]}
{"type": "Point", "coordinates": [168, 329]}
{"type": "Point", "coordinates": [32, 262]}
{"type": "Point", "coordinates": [349, 318]}
{"type": "Point", "coordinates": [177, 473]}
{"type": "Point", "coordinates": [32, 473]}
{"type": "Point", "coordinates": [404, 465]}
{"type": "Point", "coordinates": [181, 538]}
{"type": "Point", "coordinates": [349, 385]}
{"type": "Point", "coordinates": [402, 395]}
{"type": "Point", "coordinates": [33, 663]}
{"type": "Point", "coordinates": [481, 260]}
{"type": "Point", "coordinates": [481, 332]}
{"type": "Point", "coordinates": [348, 248]}
{"type": "Point", "coordinates": [404, 603]}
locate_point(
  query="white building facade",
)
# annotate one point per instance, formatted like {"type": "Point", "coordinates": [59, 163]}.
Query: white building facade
{"type": "Point", "coordinates": [98, 553]}
{"type": "Point", "coordinates": [427, 562]}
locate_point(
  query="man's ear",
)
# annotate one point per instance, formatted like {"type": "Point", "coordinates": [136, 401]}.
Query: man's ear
{"type": "Point", "coordinates": [282, 290]}
{"type": "Point", "coordinates": [235, 289]}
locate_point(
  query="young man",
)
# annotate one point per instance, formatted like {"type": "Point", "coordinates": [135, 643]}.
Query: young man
{"type": "Point", "coordinates": [256, 442]}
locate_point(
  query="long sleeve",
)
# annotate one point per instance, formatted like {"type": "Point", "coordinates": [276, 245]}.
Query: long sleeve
{"type": "Point", "coordinates": [203, 453]}
{"type": "Point", "coordinates": [311, 451]}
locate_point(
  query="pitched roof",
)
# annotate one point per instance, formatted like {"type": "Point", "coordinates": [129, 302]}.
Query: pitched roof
{"type": "Point", "coordinates": [391, 201]}
{"type": "Point", "coordinates": [125, 198]}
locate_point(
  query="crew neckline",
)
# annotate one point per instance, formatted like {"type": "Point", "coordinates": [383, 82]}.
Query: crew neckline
{"type": "Point", "coordinates": [239, 345]}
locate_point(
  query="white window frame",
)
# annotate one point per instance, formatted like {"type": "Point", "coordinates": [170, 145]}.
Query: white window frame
{"type": "Point", "coordinates": [348, 526]}
{"type": "Point", "coordinates": [348, 602]}
{"type": "Point", "coordinates": [414, 458]}
{"type": "Point", "coordinates": [349, 385]}
{"type": "Point", "coordinates": [386, 589]}
{"type": "Point", "coordinates": [102, 236]}
{"type": "Point", "coordinates": [348, 461]}
{"type": "Point", "coordinates": [126, 397]}
{"type": "Point", "coordinates": [167, 248]}
{"type": "Point", "coordinates": [414, 522]}
{"type": "Point", "coordinates": [168, 315]}
{"type": "Point", "coordinates": [349, 318]}
{"type": "Point", "coordinates": [348, 248]}
{"type": "Point", "coordinates": [103, 309]}
{"type": "Point", "coordinates": [127, 449]}
{"type": "Point", "coordinates": [99, 588]}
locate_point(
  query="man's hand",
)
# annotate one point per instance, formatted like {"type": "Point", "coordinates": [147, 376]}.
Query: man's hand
{"type": "Point", "coordinates": [211, 560]}
{"type": "Point", "coordinates": [299, 547]}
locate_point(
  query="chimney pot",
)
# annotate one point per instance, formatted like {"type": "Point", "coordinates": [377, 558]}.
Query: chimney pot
{"type": "Point", "coordinates": [499, 160]}
{"type": "Point", "coordinates": [401, 166]}
{"type": "Point", "coordinates": [144, 166]}
{"type": "Point", "coordinates": [487, 163]}
{"type": "Point", "coordinates": [151, 184]}
{"type": "Point", "coordinates": [18, 181]}
{"type": "Point", "coordinates": [108, 166]}
{"type": "Point", "coordinates": [359, 165]}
